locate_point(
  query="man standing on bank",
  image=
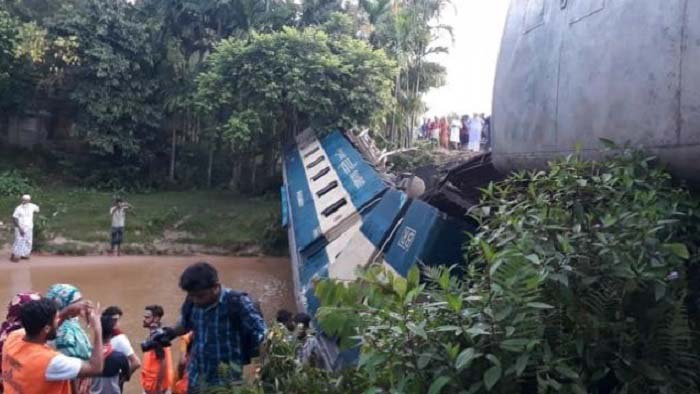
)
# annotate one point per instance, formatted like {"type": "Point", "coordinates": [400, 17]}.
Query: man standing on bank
{"type": "Point", "coordinates": [227, 327]}
{"type": "Point", "coordinates": [118, 214]}
{"type": "Point", "coordinates": [23, 218]}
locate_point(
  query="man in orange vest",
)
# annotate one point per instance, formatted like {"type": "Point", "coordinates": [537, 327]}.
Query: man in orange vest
{"type": "Point", "coordinates": [157, 368]}
{"type": "Point", "coordinates": [32, 367]}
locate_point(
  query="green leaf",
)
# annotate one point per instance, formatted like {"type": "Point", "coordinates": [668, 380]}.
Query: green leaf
{"type": "Point", "coordinates": [455, 302]}
{"type": "Point", "coordinates": [487, 251]}
{"type": "Point", "coordinates": [495, 266]}
{"type": "Point", "coordinates": [659, 290]}
{"type": "Point", "coordinates": [424, 360]}
{"type": "Point", "coordinates": [493, 359]}
{"type": "Point", "coordinates": [492, 376]}
{"type": "Point", "coordinates": [535, 259]}
{"type": "Point", "coordinates": [466, 357]}
{"type": "Point", "coordinates": [438, 385]}
{"type": "Point", "coordinates": [677, 249]}
{"type": "Point", "coordinates": [521, 364]}
{"type": "Point", "coordinates": [609, 144]}
{"type": "Point", "coordinates": [566, 372]}
{"type": "Point", "coordinates": [400, 286]}
{"type": "Point", "coordinates": [509, 331]}
{"type": "Point", "coordinates": [417, 330]}
{"type": "Point", "coordinates": [444, 280]}
{"type": "Point", "coordinates": [539, 305]}
{"type": "Point", "coordinates": [413, 277]}
{"type": "Point", "coordinates": [514, 345]}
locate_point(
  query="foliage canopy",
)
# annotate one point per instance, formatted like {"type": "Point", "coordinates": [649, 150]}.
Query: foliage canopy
{"type": "Point", "coordinates": [582, 279]}
{"type": "Point", "coordinates": [296, 79]}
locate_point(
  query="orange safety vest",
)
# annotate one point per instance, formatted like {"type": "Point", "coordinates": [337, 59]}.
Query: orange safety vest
{"type": "Point", "coordinates": [24, 367]}
{"type": "Point", "coordinates": [150, 369]}
{"type": "Point", "coordinates": [180, 386]}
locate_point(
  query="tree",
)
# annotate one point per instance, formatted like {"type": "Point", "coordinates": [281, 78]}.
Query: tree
{"type": "Point", "coordinates": [294, 79]}
{"type": "Point", "coordinates": [407, 29]}
{"type": "Point", "coordinates": [113, 87]}
{"type": "Point", "coordinates": [186, 34]}
{"type": "Point", "coordinates": [8, 40]}
{"type": "Point", "coordinates": [316, 12]}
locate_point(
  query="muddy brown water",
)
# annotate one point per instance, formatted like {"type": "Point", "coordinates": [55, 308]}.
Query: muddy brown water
{"type": "Point", "coordinates": [132, 282]}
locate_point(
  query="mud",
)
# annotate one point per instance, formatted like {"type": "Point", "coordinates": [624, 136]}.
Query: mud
{"type": "Point", "coordinates": [133, 282]}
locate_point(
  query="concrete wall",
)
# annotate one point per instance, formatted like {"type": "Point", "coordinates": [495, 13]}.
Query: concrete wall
{"type": "Point", "coordinates": [574, 71]}
{"type": "Point", "coordinates": [25, 131]}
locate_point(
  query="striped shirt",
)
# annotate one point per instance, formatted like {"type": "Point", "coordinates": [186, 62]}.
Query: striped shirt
{"type": "Point", "coordinates": [217, 341]}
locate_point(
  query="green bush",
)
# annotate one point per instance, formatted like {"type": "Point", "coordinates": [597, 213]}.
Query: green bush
{"type": "Point", "coordinates": [274, 239]}
{"type": "Point", "coordinates": [578, 283]}
{"type": "Point", "coordinates": [409, 161]}
{"type": "Point", "coordinates": [12, 184]}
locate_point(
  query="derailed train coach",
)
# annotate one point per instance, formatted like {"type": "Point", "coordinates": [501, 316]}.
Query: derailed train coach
{"type": "Point", "coordinates": [571, 72]}
{"type": "Point", "coordinates": [341, 214]}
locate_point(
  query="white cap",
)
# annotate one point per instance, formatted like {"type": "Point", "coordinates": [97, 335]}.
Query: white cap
{"type": "Point", "coordinates": [26, 197]}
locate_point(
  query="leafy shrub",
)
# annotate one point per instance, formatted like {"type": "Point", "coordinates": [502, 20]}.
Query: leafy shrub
{"type": "Point", "coordinates": [274, 239]}
{"type": "Point", "coordinates": [41, 236]}
{"type": "Point", "coordinates": [578, 283]}
{"type": "Point", "coordinates": [13, 184]}
{"type": "Point", "coordinates": [423, 155]}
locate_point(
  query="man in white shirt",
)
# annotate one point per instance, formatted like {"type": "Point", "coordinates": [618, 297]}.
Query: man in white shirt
{"type": "Point", "coordinates": [118, 213]}
{"type": "Point", "coordinates": [120, 342]}
{"type": "Point", "coordinates": [30, 366]}
{"type": "Point", "coordinates": [475, 127]}
{"type": "Point", "coordinates": [23, 218]}
{"type": "Point", "coordinates": [455, 128]}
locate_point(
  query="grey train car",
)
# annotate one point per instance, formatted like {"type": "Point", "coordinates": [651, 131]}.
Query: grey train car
{"type": "Point", "coordinates": [572, 72]}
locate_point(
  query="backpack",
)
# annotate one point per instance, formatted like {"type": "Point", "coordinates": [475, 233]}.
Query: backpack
{"type": "Point", "coordinates": [249, 343]}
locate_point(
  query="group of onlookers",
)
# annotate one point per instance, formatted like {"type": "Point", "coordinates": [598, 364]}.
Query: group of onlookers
{"type": "Point", "coordinates": [455, 133]}
{"type": "Point", "coordinates": [23, 220]}
{"type": "Point", "coordinates": [45, 349]}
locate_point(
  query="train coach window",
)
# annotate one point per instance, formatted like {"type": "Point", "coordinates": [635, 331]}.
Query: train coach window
{"type": "Point", "coordinates": [320, 174]}
{"type": "Point", "coordinates": [333, 208]}
{"type": "Point", "coordinates": [314, 150]}
{"type": "Point", "coordinates": [316, 162]}
{"type": "Point", "coordinates": [326, 189]}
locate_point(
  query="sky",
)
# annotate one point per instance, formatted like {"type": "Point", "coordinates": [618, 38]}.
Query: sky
{"type": "Point", "coordinates": [471, 63]}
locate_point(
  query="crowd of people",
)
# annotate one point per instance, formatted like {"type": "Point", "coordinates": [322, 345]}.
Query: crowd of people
{"type": "Point", "coordinates": [45, 349]}
{"type": "Point", "coordinates": [455, 133]}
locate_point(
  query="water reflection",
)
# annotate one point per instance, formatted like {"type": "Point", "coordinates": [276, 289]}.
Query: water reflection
{"type": "Point", "coordinates": [134, 282]}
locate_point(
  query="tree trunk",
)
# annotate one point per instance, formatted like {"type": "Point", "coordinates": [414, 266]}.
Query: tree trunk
{"type": "Point", "coordinates": [253, 174]}
{"type": "Point", "coordinates": [173, 146]}
{"type": "Point", "coordinates": [397, 89]}
{"type": "Point", "coordinates": [236, 174]}
{"type": "Point", "coordinates": [416, 94]}
{"type": "Point", "coordinates": [210, 165]}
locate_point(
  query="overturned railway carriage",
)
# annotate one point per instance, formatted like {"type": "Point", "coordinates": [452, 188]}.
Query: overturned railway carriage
{"type": "Point", "coordinates": [574, 71]}
{"type": "Point", "coordinates": [341, 215]}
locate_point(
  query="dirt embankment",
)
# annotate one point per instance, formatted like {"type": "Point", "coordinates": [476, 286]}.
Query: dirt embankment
{"type": "Point", "coordinates": [171, 243]}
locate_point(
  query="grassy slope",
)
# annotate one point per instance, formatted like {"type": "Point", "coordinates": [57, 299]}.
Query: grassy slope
{"type": "Point", "coordinates": [212, 218]}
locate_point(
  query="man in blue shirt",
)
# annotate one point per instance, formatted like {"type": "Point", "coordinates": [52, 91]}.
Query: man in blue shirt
{"type": "Point", "coordinates": [227, 327]}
